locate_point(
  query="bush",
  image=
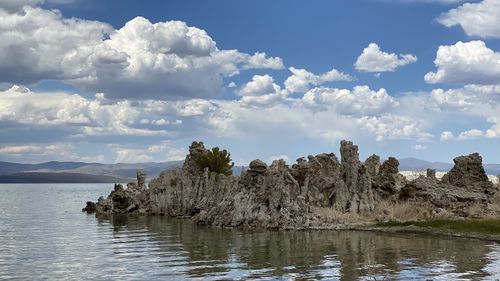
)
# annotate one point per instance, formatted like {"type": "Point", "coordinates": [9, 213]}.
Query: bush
{"type": "Point", "coordinates": [216, 161]}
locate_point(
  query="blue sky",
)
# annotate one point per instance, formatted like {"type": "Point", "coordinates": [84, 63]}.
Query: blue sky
{"type": "Point", "coordinates": [264, 79]}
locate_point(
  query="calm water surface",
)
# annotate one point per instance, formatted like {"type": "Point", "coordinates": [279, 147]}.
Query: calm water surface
{"type": "Point", "coordinates": [44, 236]}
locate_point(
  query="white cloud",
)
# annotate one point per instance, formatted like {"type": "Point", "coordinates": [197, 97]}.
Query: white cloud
{"type": "Point", "coordinates": [127, 155]}
{"type": "Point", "coordinates": [259, 86]}
{"type": "Point", "coordinates": [471, 101]}
{"type": "Point", "coordinates": [419, 147]}
{"type": "Point", "coordinates": [141, 60]}
{"type": "Point", "coordinates": [361, 100]}
{"type": "Point", "coordinates": [17, 5]}
{"type": "Point", "coordinates": [277, 157]}
{"type": "Point", "coordinates": [301, 80]}
{"type": "Point", "coordinates": [446, 136]}
{"type": "Point", "coordinates": [39, 44]}
{"type": "Point", "coordinates": [100, 117]}
{"type": "Point", "coordinates": [427, 1]}
{"type": "Point", "coordinates": [477, 19]}
{"type": "Point", "coordinates": [482, 100]}
{"type": "Point", "coordinates": [160, 122]}
{"type": "Point", "coordinates": [260, 60]}
{"type": "Point", "coordinates": [372, 59]}
{"type": "Point", "coordinates": [54, 151]}
{"type": "Point", "coordinates": [390, 126]}
{"type": "Point", "coordinates": [261, 91]}
{"type": "Point", "coordinates": [471, 134]}
{"type": "Point", "coordinates": [163, 151]}
{"type": "Point", "coordinates": [468, 63]}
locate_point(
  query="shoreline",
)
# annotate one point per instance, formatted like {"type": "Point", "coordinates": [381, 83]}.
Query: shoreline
{"type": "Point", "coordinates": [430, 230]}
{"type": "Point", "coordinates": [320, 192]}
{"type": "Point", "coordinates": [365, 226]}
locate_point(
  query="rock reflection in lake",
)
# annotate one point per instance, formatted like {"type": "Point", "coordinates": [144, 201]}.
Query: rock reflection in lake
{"type": "Point", "coordinates": [191, 250]}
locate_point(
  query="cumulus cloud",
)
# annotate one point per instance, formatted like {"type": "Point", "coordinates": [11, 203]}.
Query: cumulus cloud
{"type": "Point", "coordinates": [476, 19]}
{"type": "Point", "coordinates": [302, 80]}
{"type": "Point", "coordinates": [389, 126]}
{"type": "Point", "coordinates": [440, 1]}
{"type": "Point", "coordinates": [163, 151]}
{"type": "Point", "coordinates": [17, 5]}
{"type": "Point", "coordinates": [141, 60]}
{"type": "Point", "coordinates": [321, 115]}
{"type": "Point", "coordinates": [446, 136]}
{"type": "Point", "coordinates": [479, 101]}
{"type": "Point", "coordinates": [361, 100]}
{"type": "Point", "coordinates": [87, 118]}
{"type": "Point", "coordinates": [419, 147]}
{"type": "Point", "coordinates": [261, 91]}
{"type": "Point", "coordinates": [427, 1]}
{"type": "Point", "coordinates": [277, 157]}
{"type": "Point", "coordinates": [54, 151]}
{"type": "Point", "coordinates": [372, 59]}
{"type": "Point", "coordinates": [471, 134]}
{"type": "Point", "coordinates": [492, 132]}
{"type": "Point", "coordinates": [39, 44]}
{"type": "Point", "coordinates": [468, 63]}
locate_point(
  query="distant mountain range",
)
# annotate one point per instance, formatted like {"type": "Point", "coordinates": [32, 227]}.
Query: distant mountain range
{"type": "Point", "coordinates": [414, 164]}
{"type": "Point", "coordinates": [30, 177]}
{"type": "Point", "coordinates": [77, 172]}
{"type": "Point", "coordinates": [80, 172]}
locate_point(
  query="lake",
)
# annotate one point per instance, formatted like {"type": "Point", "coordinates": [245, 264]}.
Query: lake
{"type": "Point", "coordinates": [45, 236]}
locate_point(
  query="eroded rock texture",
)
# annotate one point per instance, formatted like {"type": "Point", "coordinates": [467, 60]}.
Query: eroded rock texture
{"type": "Point", "coordinates": [464, 185]}
{"type": "Point", "coordinates": [280, 196]}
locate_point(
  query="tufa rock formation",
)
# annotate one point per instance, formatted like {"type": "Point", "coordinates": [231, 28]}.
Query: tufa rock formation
{"type": "Point", "coordinates": [464, 185]}
{"type": "Point", "coordinates": [280, 196]}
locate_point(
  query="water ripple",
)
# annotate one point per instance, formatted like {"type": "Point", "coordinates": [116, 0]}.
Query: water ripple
{"type": "Point", "coordinates": [44, 236]}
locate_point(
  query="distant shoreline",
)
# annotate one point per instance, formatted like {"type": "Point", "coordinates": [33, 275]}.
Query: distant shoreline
{"type": "Point", "coordinates": [59, 178]}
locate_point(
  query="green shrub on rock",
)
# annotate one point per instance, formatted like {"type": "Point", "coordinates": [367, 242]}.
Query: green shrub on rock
{"type": "Point", "coordinates": [216, 160]}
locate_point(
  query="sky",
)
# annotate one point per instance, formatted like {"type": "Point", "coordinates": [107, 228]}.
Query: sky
{"type": "Point", "coordinates": [137, 81]}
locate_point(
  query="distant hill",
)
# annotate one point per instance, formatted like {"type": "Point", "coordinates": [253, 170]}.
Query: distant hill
{"type": "Point", "coordinates": [119, 170]}
{"type": "Point", "coordinates": [414, 164]}
{"type": "Point", "coordinates": [58, 178]}
{"type": "Point", "coordinates": [80, 172]}
{"type": "Point", "coordinates": [7, 168]}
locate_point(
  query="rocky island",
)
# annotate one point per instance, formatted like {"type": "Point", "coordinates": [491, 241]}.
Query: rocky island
{"type": "Point", "coordinates": [320, 192]}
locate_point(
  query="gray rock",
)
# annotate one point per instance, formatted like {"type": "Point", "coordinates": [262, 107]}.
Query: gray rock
{"type": "Point", "coordinates": [285, 197]}
{"type": "Point", "coordinates": [90, 208]}
{"type": "Point", "coordinates": [389, 182]}
{"type": "Point", "coordinates": [141, 179]}
{"type": "Point", "coordinates": [431, 173]}
{"type": "Point", "coordinates": [372, 165]}
{"type": "Point", "coordinates": [195, 150]}
{"type": "Point", "coordinates": [469, 172]}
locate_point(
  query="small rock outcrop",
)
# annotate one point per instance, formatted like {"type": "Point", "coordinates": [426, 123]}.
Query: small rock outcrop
{"type": "Point", "coordinates": [280, 196]}
{"type": "Point", "coordinates": [468, 172]}
{"type": "Point", "coordinates": [464, 185]}
{"type": "Point", "coordinates": [389, 182]}
{"type": "Point", "coordinates": [141, 179]}
{"type": "Point", "coordinates": [90, 207]}
{"type": "Point", "coordinates": [430, 173]}
{"type": "Point", "coordinates": [195, 149]}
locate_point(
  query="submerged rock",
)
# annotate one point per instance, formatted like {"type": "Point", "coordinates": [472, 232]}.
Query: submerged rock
{"type": "Point", "coordinates": [90, 208]}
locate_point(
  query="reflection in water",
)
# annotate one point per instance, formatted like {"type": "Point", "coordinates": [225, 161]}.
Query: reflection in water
{"type": "Point", "coordinates": [347, 255]}
{"type": "Point", "coordinates": [44, 236]}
